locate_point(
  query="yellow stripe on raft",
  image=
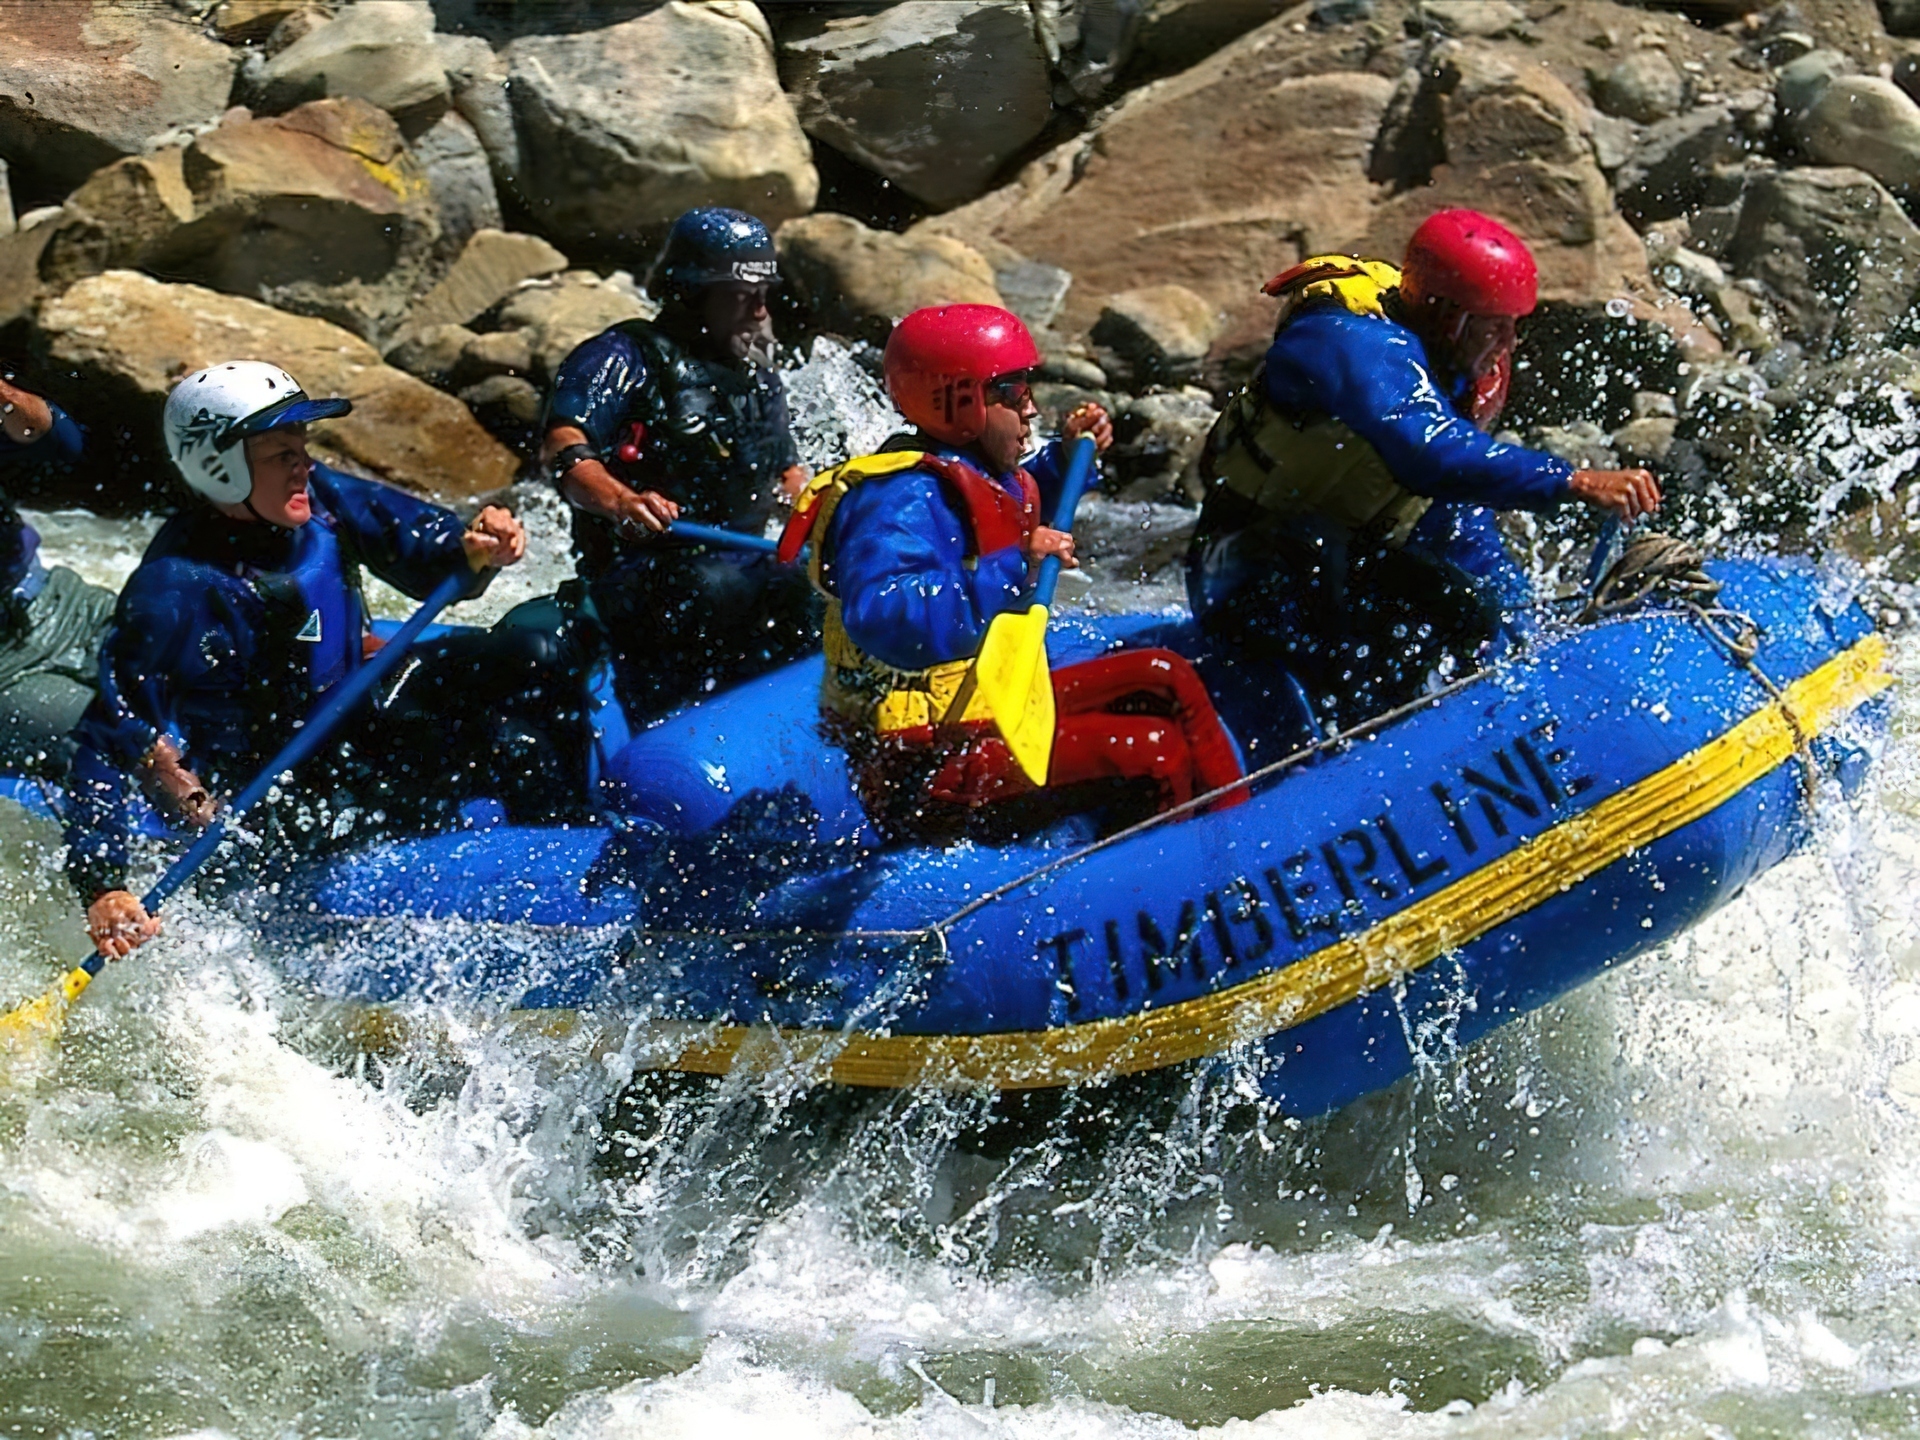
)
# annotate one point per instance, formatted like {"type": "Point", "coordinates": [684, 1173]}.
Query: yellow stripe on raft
{"type": "Point", "coordinates": [1546, 865]}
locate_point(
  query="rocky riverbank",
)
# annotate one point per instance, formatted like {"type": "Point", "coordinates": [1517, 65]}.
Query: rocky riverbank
{"type": "Point", "coordinates": [425, 205]}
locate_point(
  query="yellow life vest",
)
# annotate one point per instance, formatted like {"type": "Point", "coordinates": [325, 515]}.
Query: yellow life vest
{"type": "Point", "coordinates": [902, 704]}
{"type": "Point", "coordinates": [1314, 464]}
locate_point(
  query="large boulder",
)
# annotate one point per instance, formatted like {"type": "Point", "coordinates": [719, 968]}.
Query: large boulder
{"type": "Point", "coordinates": [557, 314]}
{"type": "Point", "coordinates": [620, 130]}
{"type": "Point", "coordinates": [494, 265]}
{"type": "Point", "coordinates": [1157, 334]}
{"type": "Point", "coordinates": [1213, 179]}
{"type": "Point", "coordinates": [125, 338]}
{"type": "Point", "coordinates": [380, 51]}
{"type": "Point", "coordinates": [858, 282]}
{"type": "Point", "coordinates": [1172, 35]}
{"type": "Point", "coordinates": [1646, 87]}
{"type": "Point", "coordinates": [935, 95]}
{"type": "Point", "coordinates": [1517, 145]}
{"type": "Point", "coordinates": [477, 79]}
{"type": "Point", "coordinates": [460, 178]}
{"type": "Point", "coordinates": [1694, 160]}
{"type": "Point", "coordinates": [322, 212]}
{"type": "Point", "coordinates": [1835, 252]}
{"type": "Point", "coordinates": [1870, 124]}
{"type": "Point", "coordinates": [84, 82]}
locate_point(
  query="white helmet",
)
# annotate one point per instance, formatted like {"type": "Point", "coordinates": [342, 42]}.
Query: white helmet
{"type": "Point", "coordinates": [211, 411]}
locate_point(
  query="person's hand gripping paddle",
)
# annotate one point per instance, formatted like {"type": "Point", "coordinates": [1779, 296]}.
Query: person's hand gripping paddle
{"type": "Point", "coordinates": [37, 1024]}
{"type": "Point", "coordinates": [1011, 671]}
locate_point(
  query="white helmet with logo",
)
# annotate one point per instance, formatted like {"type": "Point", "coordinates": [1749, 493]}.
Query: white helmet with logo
{"type": "Point", "coordinates": [212, 411]}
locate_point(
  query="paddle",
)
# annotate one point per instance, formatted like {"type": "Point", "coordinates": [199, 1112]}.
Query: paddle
{"type": "Point", "coordinates": [42, 1019]}
{"type": "Point", "coordinates": [1603, 550]}
{"type": "Point", "coordinates": [722, 539]}
{"type": "Point", "coordinates": [1011, 669]}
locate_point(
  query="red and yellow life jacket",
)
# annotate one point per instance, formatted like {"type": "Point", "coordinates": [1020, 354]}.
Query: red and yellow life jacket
{"type": "Point", "coordinates": [904, 704]}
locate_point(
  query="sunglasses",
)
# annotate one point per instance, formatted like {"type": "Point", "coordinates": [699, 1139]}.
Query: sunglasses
{"type": "Point", "coordinates": [1013, 391]}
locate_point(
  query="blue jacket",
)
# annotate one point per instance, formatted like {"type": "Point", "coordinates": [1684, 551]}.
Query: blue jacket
{"type": "Point", "coordinates": [717, 434]}
{"type": "Point", "coordinates": [1374, 376]}
{"type": "Point", "coordinates": [227, 634]}
{"type": "Point", "coordinates": [20, 570]}
{"type": "Point", "coordinates": [897, 563]}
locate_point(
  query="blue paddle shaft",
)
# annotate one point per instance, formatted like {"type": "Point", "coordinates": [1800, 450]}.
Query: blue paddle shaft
{"type": "Point", "coordinates": [723, 539]}
{"type": "Point", "coordinates": [311, 736]}
{"type": "Point", "coordinates": [1603, 550]}
{"type": "Point", "coordinates": [1079, 471]}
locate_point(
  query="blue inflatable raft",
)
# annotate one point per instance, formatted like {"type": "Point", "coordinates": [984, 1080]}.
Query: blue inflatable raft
{"type": "Point", "coordinates": [1437, 873]}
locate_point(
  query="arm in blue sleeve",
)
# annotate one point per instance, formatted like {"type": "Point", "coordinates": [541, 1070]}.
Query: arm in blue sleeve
{"type": "Point", "coordinates": [181, 636]}
{"type": "Point", "coordinates": [66, 435]}
{"type": "Point", "coordinates": [591, 389]}
{"type": "Point", "coordinates": [176, 635]}
{"type": "Point", "coordinates": [1373, 376]}
{"type": "Point", "coordinates": [1049, 471]}
{"type": "Point", "coordinates": [410, 544]}
{"type": "Point", "coordinates": [906, 595]}
{"type": "Point", "coordinates": [96, 825]}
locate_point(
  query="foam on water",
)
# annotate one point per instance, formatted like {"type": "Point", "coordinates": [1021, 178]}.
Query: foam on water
{"type": "Point", "coordinates": [1681, 1201]}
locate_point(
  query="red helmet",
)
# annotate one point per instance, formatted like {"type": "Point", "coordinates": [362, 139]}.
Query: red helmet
{"type": "Point", "coordinates": [938, 359]}
{"type": "Point", "coordinates": [1473, 261]}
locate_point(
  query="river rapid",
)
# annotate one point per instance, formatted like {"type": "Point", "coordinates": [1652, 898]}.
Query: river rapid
{"type": "Point", "coordinates": [1685, 1200]}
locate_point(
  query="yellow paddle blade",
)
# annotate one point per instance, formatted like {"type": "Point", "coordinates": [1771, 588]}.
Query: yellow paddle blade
{"type": "Point", "coordinates": [35, 1026]}
{"type": "Point", "coordinates": [1017, 688]}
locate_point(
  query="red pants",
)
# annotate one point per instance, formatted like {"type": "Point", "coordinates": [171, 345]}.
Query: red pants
{"type": "Point", "coordinates": [1131, 715]}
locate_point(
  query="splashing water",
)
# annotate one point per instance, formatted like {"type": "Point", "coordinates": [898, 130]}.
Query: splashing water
{"type": "Point", "coordinates": [1679, 1201]}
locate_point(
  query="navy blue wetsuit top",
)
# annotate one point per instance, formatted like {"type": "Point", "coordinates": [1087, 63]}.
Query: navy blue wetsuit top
{"type": "Point", "coordinates": [899, 551]}
{"type": "Point", "coordinates": [204, 648]}
{"type": "Point", "coordinates": [1373, 375]}
{"type": "Point", "coordinates": [717, 439]}
{"type": "Point", "coordinates": [19, 541]}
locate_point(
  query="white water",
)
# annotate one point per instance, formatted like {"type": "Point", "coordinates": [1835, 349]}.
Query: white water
{"type": "Point", "coordinates": [1683, 1201]}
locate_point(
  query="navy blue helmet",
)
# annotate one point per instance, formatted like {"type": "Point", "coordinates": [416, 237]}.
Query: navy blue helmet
{"type": "Point", "coordinates": [712, 244]}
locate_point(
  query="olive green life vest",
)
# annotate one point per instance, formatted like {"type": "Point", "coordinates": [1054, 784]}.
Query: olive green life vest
{"type": "Point", "coordinates": [1310, 464]}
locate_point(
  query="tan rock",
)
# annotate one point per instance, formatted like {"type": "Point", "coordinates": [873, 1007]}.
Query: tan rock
{"type": "Point", "coordinates": [1834, 251]}
{"type": "Point", "coordinates": [935, 95]}
{"type": "Point", "coordinates": [1870, 124]}
{"type": "Point", "coordinates": [1214, 179]}
{"type": "Point", "coordinates": [558, 314]}
{"type": "Point", "coordinates": [504, 400]}
{"type": "Point", "coordinates": [321, 211]}
{"type": "Point", "coordinates": [84, 82]}
{"type": "Point", "coordinates": [431, 353]}
{"type": "Point", "coordinates": [114, 221]}
{"type": "Point", "coordinates": [240, 22]}
{"type": "Point", "coordinates": [494, 264]}
{"type": "Point", "coordinates": [859, 281]}
{"type": "Point", "coordinates": [380, 51]}
{"type": "Point", "coordinates": [502, 352]}
{"type": "Point", "coordinates": [620, 130]}
{"type": "Point", "coordinates": [7, 225]}
{"type": "Point", "coordinates": [126, 338]}
{"type": "Point", "coordinates": [1161, 332]}
{"type": "Point", "coordinates": [1517, 147]}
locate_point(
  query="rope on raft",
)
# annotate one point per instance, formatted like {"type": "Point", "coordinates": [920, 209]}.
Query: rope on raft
{"type": "Point", "coordinates": [1656, 563]}
{"type": "Point", "coordinates": [1650, 564]}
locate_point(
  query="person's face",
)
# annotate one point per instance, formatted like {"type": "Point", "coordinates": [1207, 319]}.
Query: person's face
{"type": "Point", "coordinates": [1008, 424]}
{"type": "Point", "coordinates": [734, 313]}
{"type": "Point", "coordinates": [1481, 341]}
{"type": "Point", "coordinates": [280, 466]}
